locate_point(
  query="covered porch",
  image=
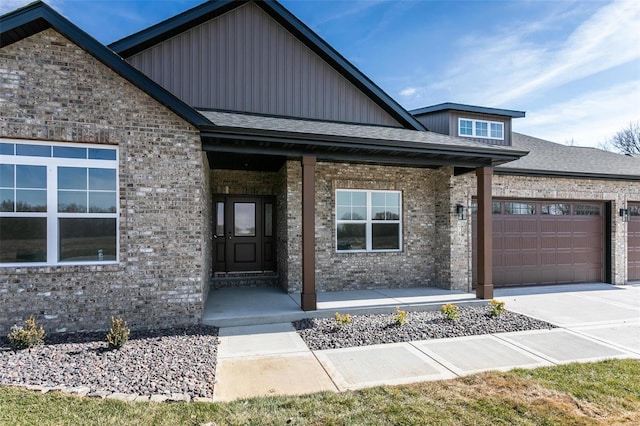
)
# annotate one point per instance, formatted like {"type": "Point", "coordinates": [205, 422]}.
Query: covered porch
{"type": "Point", "coordinates": [231, 307]}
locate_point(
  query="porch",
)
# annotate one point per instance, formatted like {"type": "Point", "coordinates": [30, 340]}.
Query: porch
{"type": "Point", "coordinates": [230, 307]}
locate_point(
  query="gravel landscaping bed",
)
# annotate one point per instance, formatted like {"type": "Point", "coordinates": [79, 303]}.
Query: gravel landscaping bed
{"type": "Point", "coordinates": [323, 333]}
{"type": "Point", "coordinates": [159, 362]}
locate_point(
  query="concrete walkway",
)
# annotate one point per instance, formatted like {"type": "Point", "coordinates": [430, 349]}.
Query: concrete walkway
{"type": "Point", "coordinates": [596, 321]}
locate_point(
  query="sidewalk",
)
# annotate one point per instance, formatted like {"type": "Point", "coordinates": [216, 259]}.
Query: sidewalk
{"type": "Point", "coordinates": [596, 321]}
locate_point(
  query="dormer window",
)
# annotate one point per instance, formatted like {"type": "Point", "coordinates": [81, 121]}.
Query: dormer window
{"type": "Point", "coordinates": [480, 129]}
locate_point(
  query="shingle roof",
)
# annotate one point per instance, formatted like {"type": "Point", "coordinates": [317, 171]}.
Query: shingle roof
{"type": "Point", "coordinates": [370, 133]}
{"type": "Point", "coordinates": [549, 158]}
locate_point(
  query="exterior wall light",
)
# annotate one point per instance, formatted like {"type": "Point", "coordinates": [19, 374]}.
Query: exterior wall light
{"type": "Point", "coordinates": [460, 211]}
{"type": "Point", "coordinates": [624, 214]}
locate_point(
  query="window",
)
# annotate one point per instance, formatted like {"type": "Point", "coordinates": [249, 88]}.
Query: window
{"type": "Point", "coordinates": [586, 210]}
{"type": "Point", "coordinates": [368, 220]}
{"type": "Point", "coordinates": [519, 208]}
{"type": "Point", "coordinates": [556, 209]}
{"type": "Point", "coordinates": [58, 204]}
{"type": "Point", "coordinates": [480, 129]}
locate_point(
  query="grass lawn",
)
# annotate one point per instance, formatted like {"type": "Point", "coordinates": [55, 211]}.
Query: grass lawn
{"type": "Point", "coordinates": [606, 393]}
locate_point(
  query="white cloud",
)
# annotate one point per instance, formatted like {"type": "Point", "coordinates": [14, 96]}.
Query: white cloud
{"type": "Point", "coordinates": [589, 119]}
{"type": "Point", "coordinates": [408, 91]}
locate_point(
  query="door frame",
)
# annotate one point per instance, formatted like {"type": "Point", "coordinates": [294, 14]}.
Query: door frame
{"type": "Point", "coordinates": [226, 241]}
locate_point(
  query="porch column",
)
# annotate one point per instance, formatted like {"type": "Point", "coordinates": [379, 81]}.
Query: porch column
{"type": "Point", "coordinates": [308, 297]}
{"type": "Point", "coordinates": [484, 287]}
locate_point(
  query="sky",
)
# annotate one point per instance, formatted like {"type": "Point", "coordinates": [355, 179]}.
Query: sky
{"type": "Point", "coordinates": [572, 66]}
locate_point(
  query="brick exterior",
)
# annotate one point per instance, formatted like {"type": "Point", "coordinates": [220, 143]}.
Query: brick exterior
{"type": "Point", "coordinates": [53, 90]}
{"type": "Point", "coordinates": [530, 187]}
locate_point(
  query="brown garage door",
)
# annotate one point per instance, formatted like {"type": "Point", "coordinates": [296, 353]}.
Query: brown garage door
{"type": "Point", "coordinates": [633, 242]}
{"type": "Point", "coordinates": [546, 242]}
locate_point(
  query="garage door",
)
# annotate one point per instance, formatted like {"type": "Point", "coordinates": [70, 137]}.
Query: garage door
{"type": "Point", "coordinates": [546, 242]}
{"type": "Point", "coordinates": [633, 242]}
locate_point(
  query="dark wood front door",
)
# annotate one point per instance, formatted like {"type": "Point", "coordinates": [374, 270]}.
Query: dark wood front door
{"type": "Point", "coordinates": [244, 233]}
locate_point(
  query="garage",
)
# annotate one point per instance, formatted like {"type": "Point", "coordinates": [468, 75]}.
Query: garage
{"type": "Point", "coordinates": [633, 242]}
{"type": "Point", "coordinates": [546, 242]}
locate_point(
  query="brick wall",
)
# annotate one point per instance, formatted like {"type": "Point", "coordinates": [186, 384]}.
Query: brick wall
{"type": "Point", "coordinates": [415, 266]}
{"type": "Point", "coordinates": [53, 90]}
{"type": "Point", "coordinates": [506, 186]}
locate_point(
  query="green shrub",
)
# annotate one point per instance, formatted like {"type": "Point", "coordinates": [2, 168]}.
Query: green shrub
{"type": "Point", "coordinates": [118, 334]}
{"type": "Point", "coordinates": [450, 311]}
{"type": "Point", "coordinates": [28, 336]}
{"type": "Point", "coordinates": [497, 307]}
{"type": "Point", "coordinates": [400, 317]}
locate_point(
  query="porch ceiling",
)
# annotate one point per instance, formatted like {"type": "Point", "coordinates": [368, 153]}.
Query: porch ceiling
{"type": "Point", "coordinates": [247, 134]}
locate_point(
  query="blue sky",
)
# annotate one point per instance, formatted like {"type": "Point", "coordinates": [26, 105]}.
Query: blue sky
{"type": "Point", "coordinates": [573, 66]}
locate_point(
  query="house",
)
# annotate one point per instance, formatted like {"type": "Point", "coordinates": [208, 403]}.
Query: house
{"type": "Point", "coordinates": [230, 145]}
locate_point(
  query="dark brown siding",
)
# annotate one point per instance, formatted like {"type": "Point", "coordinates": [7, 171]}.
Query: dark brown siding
{"type": "Point", "coordinates": [245, 61]}
{"type": "Point", "coordinates": [453, 125]}
{"type": "Point", "coordinates": [531, 249]}
{"type": "Point", "coordinates": [633, 243]}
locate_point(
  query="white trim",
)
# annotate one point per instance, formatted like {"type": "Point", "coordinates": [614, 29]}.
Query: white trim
{"type": "Point", "coordinates": [52, 215]}
{"type": "Point", "coordinates": [473, 128]}
{"type": "Point", "coordinates": [368, 222]}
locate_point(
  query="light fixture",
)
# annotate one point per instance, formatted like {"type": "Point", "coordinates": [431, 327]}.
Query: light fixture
{"type": "Point", "coordinates": [624, 214]}
{"type": "Point", "coordinates": [460, 211]}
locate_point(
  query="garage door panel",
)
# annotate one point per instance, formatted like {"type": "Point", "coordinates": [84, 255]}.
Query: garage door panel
{"type": "Point", "coordinates": [633, 242]}
{"type": "Point", "coordinates": [556, 247]}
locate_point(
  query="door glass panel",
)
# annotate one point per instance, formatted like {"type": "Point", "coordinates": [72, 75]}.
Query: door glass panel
{"type": "Point", "coordinates": [268, 220]}
{"type": "Point", "coordinates": [220, 219]}
{"type": "Point", "coordinates": [244, 215]}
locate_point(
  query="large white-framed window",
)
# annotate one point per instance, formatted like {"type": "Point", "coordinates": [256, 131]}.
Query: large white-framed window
{"type": "Point", "coordinates": [368, 220]}
{"type": "Point", "coordinates": [472, 128]}
{"type": "Point", "coordinates": [58, 203]}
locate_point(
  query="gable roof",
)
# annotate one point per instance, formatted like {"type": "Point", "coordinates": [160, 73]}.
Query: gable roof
{"type": "Point", "coordinates": [468, 108]}
{"type": "Point", "coordinates": [38, 16]}
{"type": "Point", "coordinates": [552, 159]}
{"type": "Point", "coordinates": [191, 18]}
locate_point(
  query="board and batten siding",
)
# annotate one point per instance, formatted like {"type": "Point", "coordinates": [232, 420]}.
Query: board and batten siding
{"type": "Point", "coordinates": [436, 122]}
{"type": "Point", "coordinates": [246, 61]}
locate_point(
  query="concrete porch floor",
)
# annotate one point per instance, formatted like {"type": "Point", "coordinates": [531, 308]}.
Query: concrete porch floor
{"type": "Point", "coordinates": [231, 307]}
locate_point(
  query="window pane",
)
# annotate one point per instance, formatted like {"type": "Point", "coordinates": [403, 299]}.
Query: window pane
{"type": "Point", "coordinates": [28, 200]}
{"type": "Point", "coordinates": [87, 239]}
{"type": "Point", "coordinates": [69, 152]}
{"type": "Point", "coordinates": [359, 213]}
{"type": "Point", "coordinates": [496, 207]}
{"type": "Point", "coordinates": [244, 219]}
{"type": "Point", "coordinates": [6, 200]}
{"type": "Point", "coordinates": [378, 199]}
{"type": "Point", "coordinates": [6, 148]}
{"type": "Point", "coordinates": [496, 130]}
{"type": "Point", "coordinates": [33, 150]}
{"type": "Point", "coordinates": [220, 219]}
{"type": "Point", "coordinates": [586, 210]}
{"type": "Point", "coordinates": [6, 176]}
{"type": "Point", "coordinates": [102, 154]}
{"type": "Point", "coordinates": [556, 209]}
{"type": "Point", "coordinates": [72, 201]}
{"type": "Point", "coordinates": [634, 210]}
{"type": "Point", "coordinates": [378, 213]}
{"type": "Point", "coordinates": [385, 236]}
{"type": "Point", "coordinates": [102, 202]}
{"type": "Point", "coordinates": [23, 239]}
{"type": "Point", "coordinates": [481, 128]}
{"type": "Point", "coordinates": [31, 177]}
{"type": "Point", "coordinates": [393, 199]}
{"type": "Point", "coordinates": [344, 213]}
{"type": "Point", "coordinates": [344, 198]}
{"type": "Point", "coordinates": [72, 178]}
{"type": "Point", "coordinates": [102, 179]}
{"type": "Point", "coordinates": [268, 219]}
{"type": "Point", "coordinates": [351, 236]}
{"type": "Point", "coordinates": [519, 208]}
{"type": "Point", "coordinates": [393, 213]}
{"type": "Point", "coordinates": [359, 198]}
{"type": "Point", "coordinates": [466, 127]}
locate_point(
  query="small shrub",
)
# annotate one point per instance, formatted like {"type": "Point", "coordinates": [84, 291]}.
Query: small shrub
{"type": "Point", "coordinates": [450, 311]}
{"type": "Point", "coordinates": [497, 307]}
{"type": "Point", "coordinates": [342, 319]}
{"type": "Point", "coordinates": [118, 334]}
{"type": "Point", "coordinates": [28, 336]}
{"type": "Point", "coordinates": [400, 317]}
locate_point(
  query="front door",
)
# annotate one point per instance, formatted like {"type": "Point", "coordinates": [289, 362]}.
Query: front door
{"type": "Point", "coordinates": [244, 233]}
